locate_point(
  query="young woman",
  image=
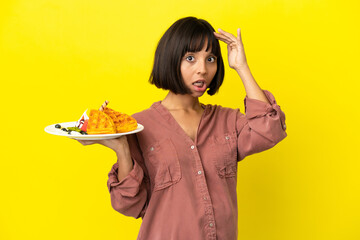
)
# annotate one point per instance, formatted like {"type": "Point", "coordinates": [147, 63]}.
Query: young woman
{"type": "Point", "coordinates": [179, 174]}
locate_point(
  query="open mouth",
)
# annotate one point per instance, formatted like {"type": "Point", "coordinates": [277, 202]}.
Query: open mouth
{"type": "Point", "coordinates": [199, 86]}
{"type": "Point", "coordinates": [199, 83]}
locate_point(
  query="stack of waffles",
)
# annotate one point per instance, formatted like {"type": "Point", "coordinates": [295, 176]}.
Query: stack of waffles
{"type": "Point", "coordinates": [107, 121]}
{"type": "Point", "coordinates": [100, 123]}
{"type": "Point", "coordinates": [122, 121]}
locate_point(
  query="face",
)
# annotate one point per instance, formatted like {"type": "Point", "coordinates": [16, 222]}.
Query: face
{"type": "Point", "coordinates": [197, 70]}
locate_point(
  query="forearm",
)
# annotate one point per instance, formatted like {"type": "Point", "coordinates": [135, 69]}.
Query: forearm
{"type": "Point", "coordinates": [129, 195]}
{"type": "Point", "coordinates": [124, 159]}
{"type": "Point", "coordinates": [251, 87]}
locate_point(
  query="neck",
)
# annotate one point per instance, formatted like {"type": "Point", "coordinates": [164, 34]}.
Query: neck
{"type": "Point", "coordinates": [174, 101]}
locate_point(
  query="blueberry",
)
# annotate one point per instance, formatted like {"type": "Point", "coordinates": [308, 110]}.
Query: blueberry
{"type": "Point", "coordinates": [57, 126]}
{"type": "Point", "coordinates": [64, 129]}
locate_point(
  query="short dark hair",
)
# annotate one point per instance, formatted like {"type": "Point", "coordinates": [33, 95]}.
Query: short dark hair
{"type": "Point", "coordinates": [185, 35]}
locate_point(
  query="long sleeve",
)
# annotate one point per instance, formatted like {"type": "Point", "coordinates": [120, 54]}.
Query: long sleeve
{"type": "Point", "coordinates": [129, 196]}
{"type": "Point", "coordinates": [262, 126]}
{"type": "Point", "coordinates": [190, 185]}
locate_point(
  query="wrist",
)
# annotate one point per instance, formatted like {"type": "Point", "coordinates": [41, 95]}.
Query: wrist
{"type": "Point", "coordinates": [124, 159]}
{"type": "Point", "coordinates": [122, 147]}
{"type": "Point", "coordinates": [242, 68]}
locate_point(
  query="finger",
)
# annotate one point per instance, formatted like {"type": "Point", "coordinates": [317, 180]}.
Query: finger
{"type": "Point", "coordinates": [225, 38]}
{"type": "Point", "coordinates": [86, 142]}
{"type": "Point", "coordinates": [80, 141]}
{"type": "Point", "coordinates": [228, 35]}
{"type": "Point", "coordinates": [228, 41]}
{"type": "Point", "coordinates": [222, 38]}
{"type": "Point", "coordinates": [224, 33]}
{"type": "Point", "coordinates": [239, 37]}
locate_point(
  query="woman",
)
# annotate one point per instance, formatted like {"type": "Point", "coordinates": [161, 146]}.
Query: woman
{"type": "Point", "coordinates": [179, 174]}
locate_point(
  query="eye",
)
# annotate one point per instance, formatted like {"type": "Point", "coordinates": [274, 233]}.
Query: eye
{"type": "Point", "coordinates": [190, 58]}
{"type": "Point", "coordinates": [211, 59]}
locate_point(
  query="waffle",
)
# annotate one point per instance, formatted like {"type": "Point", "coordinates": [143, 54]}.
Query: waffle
{"type": "Point", "coordinates": [100, 123]}
{"type": "Point", "coordinates": [122, 121]}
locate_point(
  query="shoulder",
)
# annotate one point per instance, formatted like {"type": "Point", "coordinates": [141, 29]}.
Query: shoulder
{"type": "Point", "coordinates": [152, 118]}
{"type": "Point", "coordinates": [153, 121]}
{"type": "Point", "coordinates": [146, 113]}
{"type": "Point", "coordinates": [219, 111]}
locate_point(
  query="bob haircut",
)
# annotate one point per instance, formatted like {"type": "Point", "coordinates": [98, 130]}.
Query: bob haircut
{"type": "Point", "coordinates": [185, 35]}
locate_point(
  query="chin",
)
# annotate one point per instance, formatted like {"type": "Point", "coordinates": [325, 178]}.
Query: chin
{"type": "Point", "coordinates": [198, 94]}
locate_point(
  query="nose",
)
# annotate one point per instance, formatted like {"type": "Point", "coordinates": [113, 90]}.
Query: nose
{"type": "Point", "coordinates": [201, 67]}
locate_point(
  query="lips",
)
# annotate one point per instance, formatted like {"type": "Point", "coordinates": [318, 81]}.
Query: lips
{"type": "Point", "coordinates": [199, 85]}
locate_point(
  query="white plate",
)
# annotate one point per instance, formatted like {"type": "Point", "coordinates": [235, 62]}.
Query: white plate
{"type": "Point", "coordinates": [56, 131]}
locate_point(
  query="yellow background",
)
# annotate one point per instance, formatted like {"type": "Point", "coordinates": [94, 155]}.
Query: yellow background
{"type": "Point", "coordinates": [58, 58]}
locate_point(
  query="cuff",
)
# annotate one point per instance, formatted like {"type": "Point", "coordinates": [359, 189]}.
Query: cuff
{"type": "Point", "coordinates": [130, 185]}
{"type": "Point", "coordinates": [255, 108]}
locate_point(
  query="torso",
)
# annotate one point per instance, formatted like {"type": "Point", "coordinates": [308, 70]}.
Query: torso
{"type": "Point", "coordinates": [188, 121]}
{"type": "Point", "coordinates": [180, 170]}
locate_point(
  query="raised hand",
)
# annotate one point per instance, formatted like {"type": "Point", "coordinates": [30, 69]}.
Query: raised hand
{"type": "Point", "coordinates": [236, 53]}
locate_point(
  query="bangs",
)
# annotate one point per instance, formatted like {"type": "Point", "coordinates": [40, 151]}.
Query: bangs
{"type": "Point", "coordinates": [199, 36]}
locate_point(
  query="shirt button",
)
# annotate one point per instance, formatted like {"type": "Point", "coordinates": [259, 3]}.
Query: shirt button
{"type": "Point", "coordinates": [192, 146]}
{"type": "Point", "coordinates": [199, 172]}
{"type": "Point", "coordinates": [211, 224]}
{"type": "Point", "coordinates": [152, 149]}
{"type": "Point", "coordinates": [204, 198]}
{"type": "Point", "coordinates": [227, 137]}
{"type": "Point", "coordinates": [284, 126]}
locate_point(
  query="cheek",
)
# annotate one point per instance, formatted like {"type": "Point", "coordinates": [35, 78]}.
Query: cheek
{"type": "Point", "coordinates": [213, 71]}
{"type": "Point", "coordinates": [185, 72]}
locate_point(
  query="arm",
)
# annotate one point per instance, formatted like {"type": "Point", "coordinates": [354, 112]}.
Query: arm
{"type": "Point", "coordinates": [264, 124]}
{"type": "Point", "coordinates": [261, 128]}
{"type": "Point", "coordinates": [238, 62]}
{"type": "Point", "coordinates": [129, 192]}
{"type": "Point", "coordinates": [124, 161]}
{"type": "Point", "coordinates": [127, 184]}
{"type": "Point", "coordinates": [121, 147]}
